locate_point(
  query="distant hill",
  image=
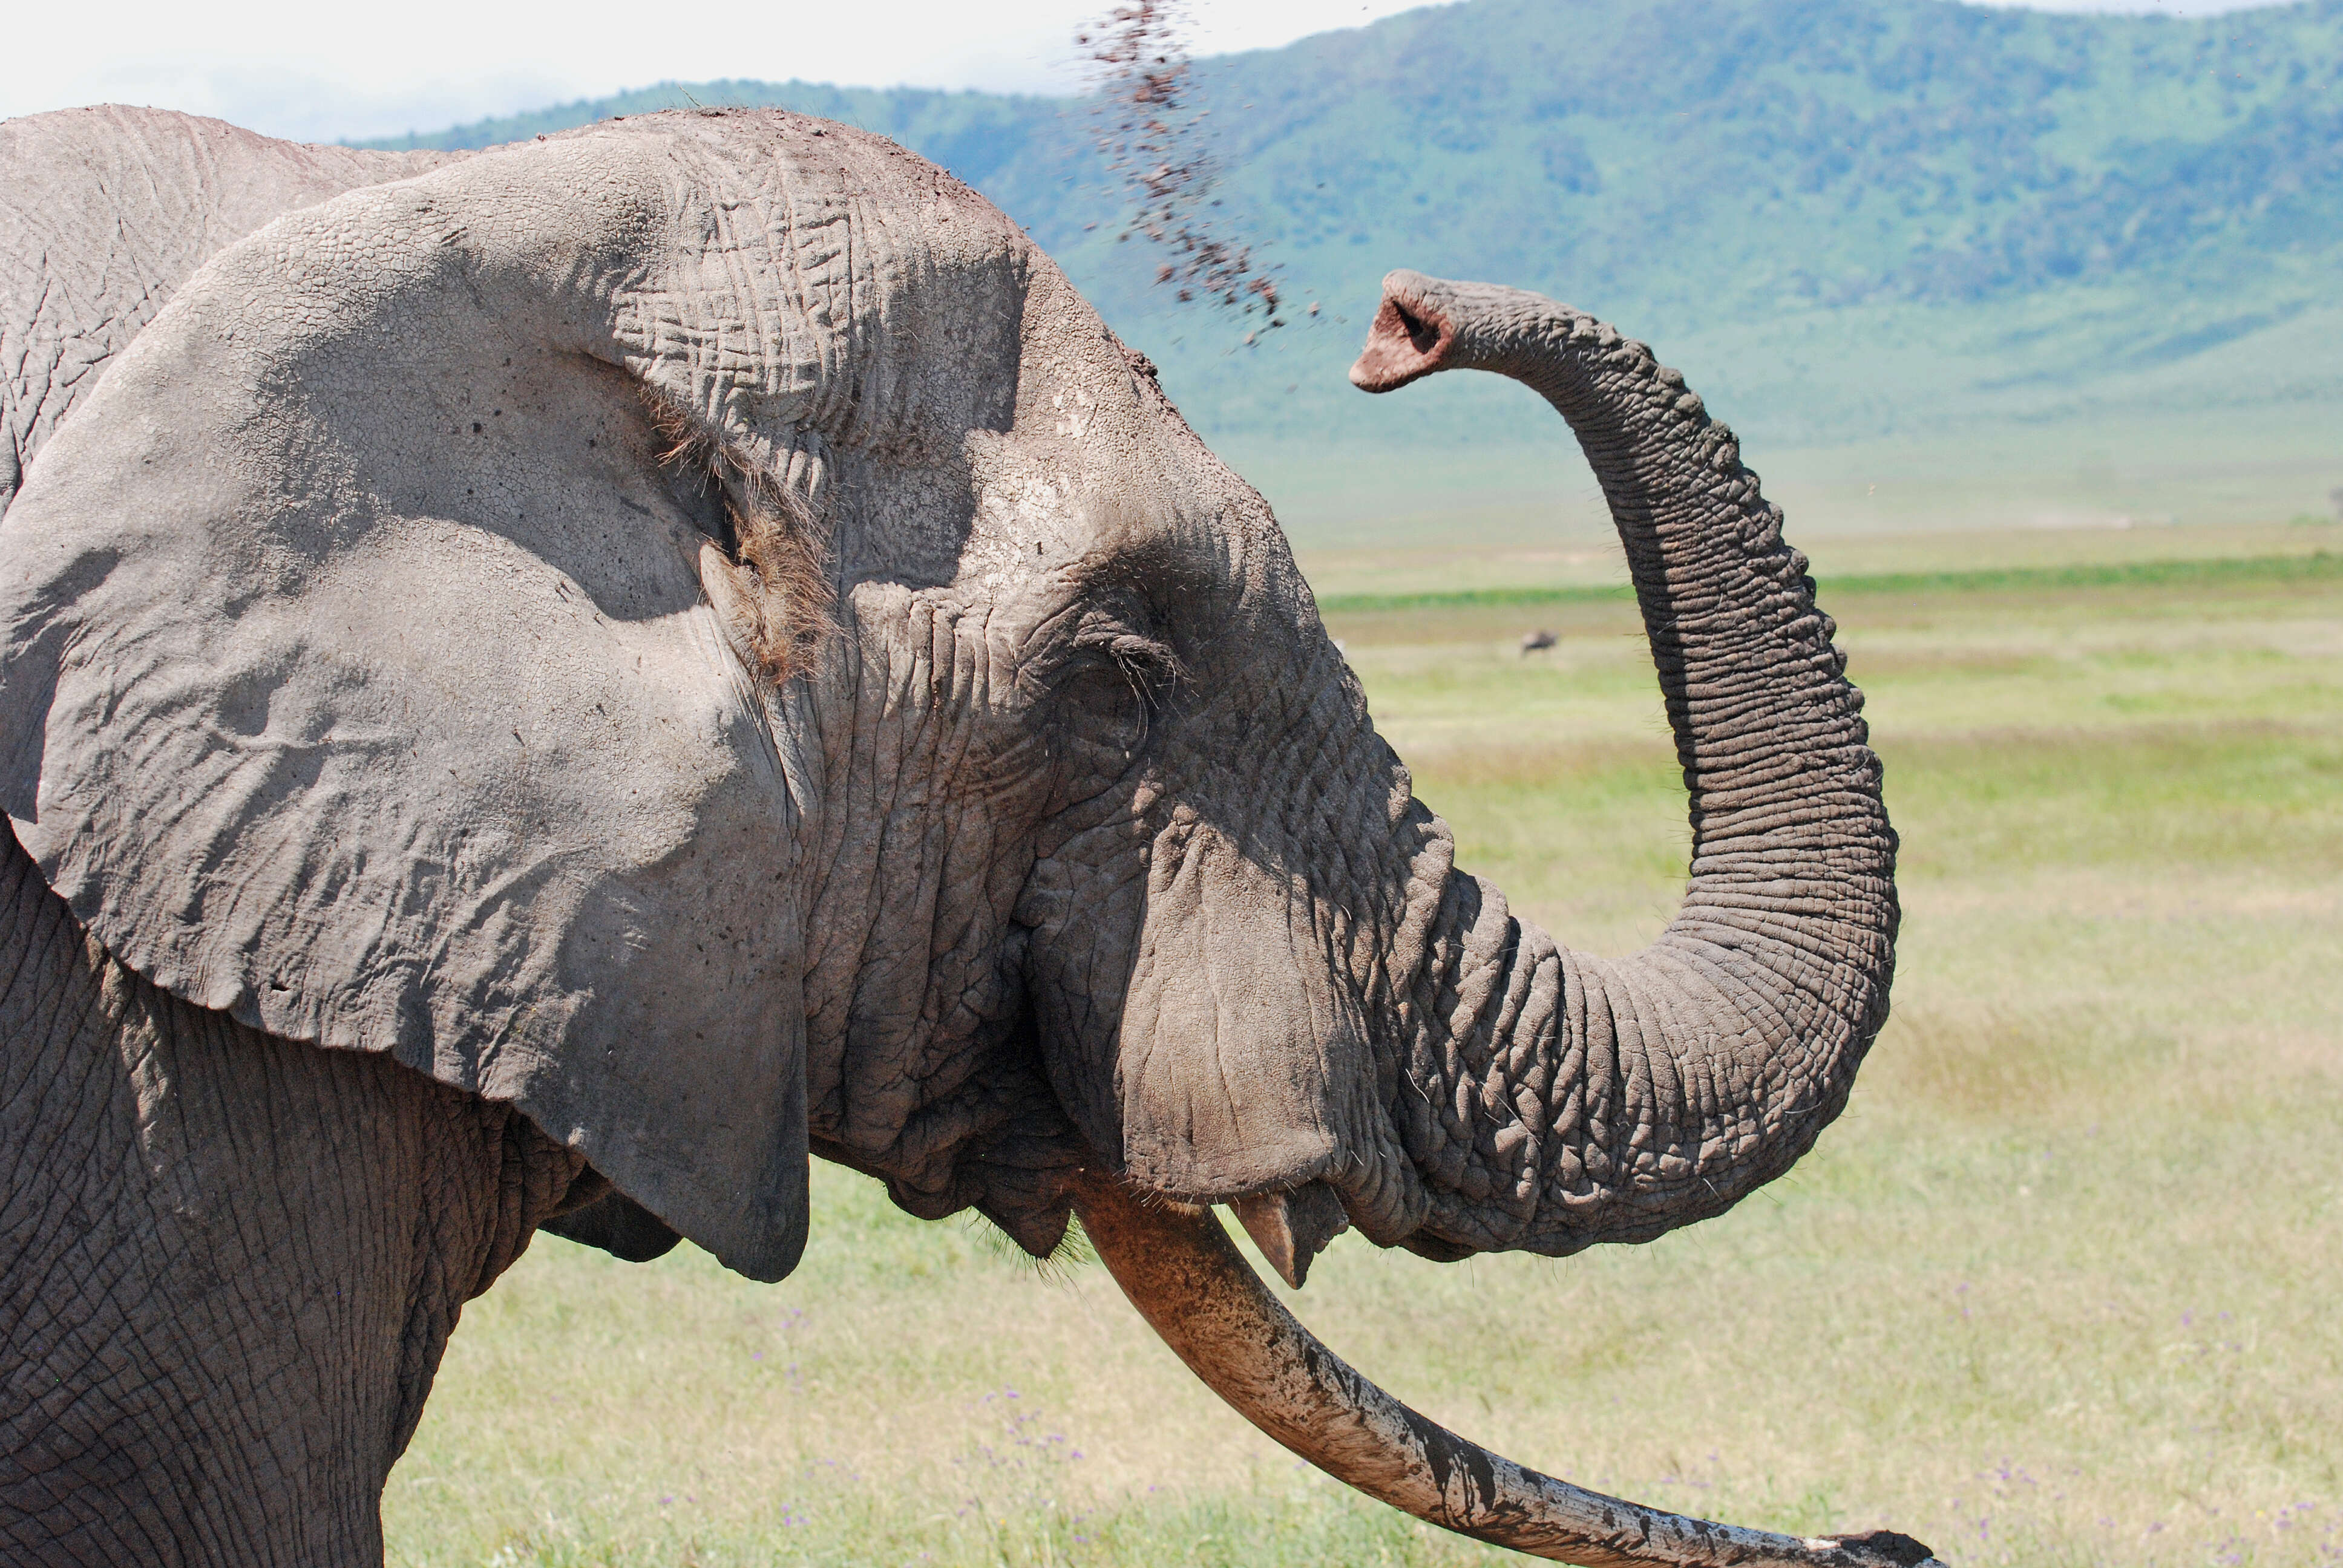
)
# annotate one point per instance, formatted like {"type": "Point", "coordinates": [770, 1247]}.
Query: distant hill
{"type": "Point", "coordinates": [1009, 147]}
{"type": "Point", "coordinates": [1848, 219]}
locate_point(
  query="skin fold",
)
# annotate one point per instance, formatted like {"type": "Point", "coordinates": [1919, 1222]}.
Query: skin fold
{"type": "Point", "coordinates": [648, 655]}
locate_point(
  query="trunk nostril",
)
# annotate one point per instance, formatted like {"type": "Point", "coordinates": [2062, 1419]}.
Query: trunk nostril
{"type": "Point", "coordinates": [1423, 334]}
{"type": "Point", "coordinates": [1402, 345]}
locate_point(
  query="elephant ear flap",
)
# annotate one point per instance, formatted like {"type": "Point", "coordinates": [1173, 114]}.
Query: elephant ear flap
{"type": "Point", "coordinates": [362, 681]}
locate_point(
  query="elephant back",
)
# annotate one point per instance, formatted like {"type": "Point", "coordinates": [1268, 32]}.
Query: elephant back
{"type": "Point", "coordinates": [105, 212]}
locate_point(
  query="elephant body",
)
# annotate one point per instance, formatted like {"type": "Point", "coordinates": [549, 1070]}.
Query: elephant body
{"type": "Point", "coordinates": [105, 212]}
{"type": "Point", "coordinates": [233, 1262]}
{"type": "Point", "coordinates": [546, 686]}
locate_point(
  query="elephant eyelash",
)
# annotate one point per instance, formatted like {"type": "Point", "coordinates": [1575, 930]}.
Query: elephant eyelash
{"type": "Point", "coordinates": [1153, 669]}
{"type": "Point", "coordinates": [1148, 669]}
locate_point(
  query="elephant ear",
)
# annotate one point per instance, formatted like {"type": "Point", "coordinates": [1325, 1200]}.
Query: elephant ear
{"type": "Point", "coordinates": [364, 677]}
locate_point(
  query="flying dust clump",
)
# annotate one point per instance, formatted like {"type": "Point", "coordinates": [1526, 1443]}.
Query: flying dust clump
{"type": "Point", "coordinates": [1154, 138]}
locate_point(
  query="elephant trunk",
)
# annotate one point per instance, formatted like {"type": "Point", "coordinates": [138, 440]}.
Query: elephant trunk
{"type": "Point", "coordinates": [1555, 1100]}
{"type": "Point", "coordinates": [1548, 1099]}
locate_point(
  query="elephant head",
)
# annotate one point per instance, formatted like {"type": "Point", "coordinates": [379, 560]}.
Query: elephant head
{"type": "Point", "coordinates": [694, 629]}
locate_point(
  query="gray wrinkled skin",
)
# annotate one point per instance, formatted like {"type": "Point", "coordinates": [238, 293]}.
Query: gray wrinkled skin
{"type": "Point", "coordinates": [389, 666]}
{"type": "Point", "coordinates": [231, 1262]}
{"type": "Point", "coordinates": [105, 212]}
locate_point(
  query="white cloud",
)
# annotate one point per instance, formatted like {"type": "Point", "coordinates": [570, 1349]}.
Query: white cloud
{"type": "Point", "coordinates": [300, 68]}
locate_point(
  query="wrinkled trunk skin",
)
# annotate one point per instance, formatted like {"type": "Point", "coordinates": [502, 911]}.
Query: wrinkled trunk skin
{"type": "Point", "coordinates": [1552, 1099]}
{"type": "Point", "coordinates": [228, 1264]}
{"type": "Point", "coordinates": [1544, 1100]}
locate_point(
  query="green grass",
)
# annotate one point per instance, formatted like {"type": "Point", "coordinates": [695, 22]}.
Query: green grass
{"type": "Point", "coordinates": [2060, 1288]}
{"type": "Point", "coordinates": [2316, 566]}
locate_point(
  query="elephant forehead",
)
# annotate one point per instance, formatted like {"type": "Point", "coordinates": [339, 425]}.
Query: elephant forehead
{"type": "Point", "coordinates": [1102, 484]}
{"type": "Point", "coordinates": [762, 272]}
{"type": "Point", "coordinates": [824, 278]}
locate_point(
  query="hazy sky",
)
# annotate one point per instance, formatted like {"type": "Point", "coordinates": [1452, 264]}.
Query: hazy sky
{"type": "Point", "coordinates": [322, 71]}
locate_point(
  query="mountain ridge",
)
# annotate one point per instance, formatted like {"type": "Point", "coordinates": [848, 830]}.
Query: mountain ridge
{"type": "Point", "coordinates": [1847, 219]}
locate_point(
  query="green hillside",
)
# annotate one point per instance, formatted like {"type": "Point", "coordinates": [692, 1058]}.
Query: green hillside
{"type": "Point", "coordinates": [1858, 224]}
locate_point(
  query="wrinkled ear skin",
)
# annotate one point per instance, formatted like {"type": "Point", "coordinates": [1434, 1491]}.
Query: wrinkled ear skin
{"type": "Point", "coordinates": [361, 678]}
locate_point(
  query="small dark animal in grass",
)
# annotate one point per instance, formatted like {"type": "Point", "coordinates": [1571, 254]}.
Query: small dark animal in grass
{"type": "Point", "coordinates": [1536, 641]}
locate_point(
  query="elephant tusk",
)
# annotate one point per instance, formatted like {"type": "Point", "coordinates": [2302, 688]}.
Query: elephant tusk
{"type": "Point", "coordinates": [1196, 1291]}
{"type": "Point", "coordinates": [1291, 1227]}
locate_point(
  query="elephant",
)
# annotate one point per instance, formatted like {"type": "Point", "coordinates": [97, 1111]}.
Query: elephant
{"type": "Point", "coordinates": [545, 687]}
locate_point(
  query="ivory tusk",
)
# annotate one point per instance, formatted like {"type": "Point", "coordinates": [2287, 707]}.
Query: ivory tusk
{"type": "Point", "coordinates": [1196, 1291]}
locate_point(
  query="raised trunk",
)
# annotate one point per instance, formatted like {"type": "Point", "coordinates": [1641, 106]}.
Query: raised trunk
{"type": "Point", "coordinates": [1552, 1099]}
{"type": "Point", "coordinates": [1555, 1100]}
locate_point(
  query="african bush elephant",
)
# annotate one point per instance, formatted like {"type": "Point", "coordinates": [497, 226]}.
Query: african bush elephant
{"type": "Point", "coordinates": [549, 689]}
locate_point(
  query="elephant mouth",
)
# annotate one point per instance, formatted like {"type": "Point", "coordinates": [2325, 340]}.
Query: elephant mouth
{"type": "Point", "coordinates": [1178, 1267]}
{"type": "Point", "coordinates": [1291, 1227]}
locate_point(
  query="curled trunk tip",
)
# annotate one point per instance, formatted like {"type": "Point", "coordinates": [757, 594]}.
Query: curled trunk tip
{"type": "Point", "coordinates": [1412, 335]}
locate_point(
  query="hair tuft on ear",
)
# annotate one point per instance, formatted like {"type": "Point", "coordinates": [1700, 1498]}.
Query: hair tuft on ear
{"type": "Point", "coordinates": [778, 550]}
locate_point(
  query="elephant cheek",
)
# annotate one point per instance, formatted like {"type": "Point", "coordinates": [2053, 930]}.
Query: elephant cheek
{"type": "Point", "coordinates": [1241, 1062]}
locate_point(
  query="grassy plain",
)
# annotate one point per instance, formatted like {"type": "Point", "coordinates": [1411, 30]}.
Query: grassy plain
{"type": "Point", "coordinates": [2063, 1286]}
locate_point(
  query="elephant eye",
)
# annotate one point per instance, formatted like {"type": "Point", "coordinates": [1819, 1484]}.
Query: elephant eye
{"type": "Point", "coordinates": [1111, 692]}
{"type": "Point", "coordinates": [1103, 704]}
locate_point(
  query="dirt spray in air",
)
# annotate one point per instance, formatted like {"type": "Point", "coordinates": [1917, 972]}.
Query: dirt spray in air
{"type": "Point", "coordinates": [1151, 129]}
